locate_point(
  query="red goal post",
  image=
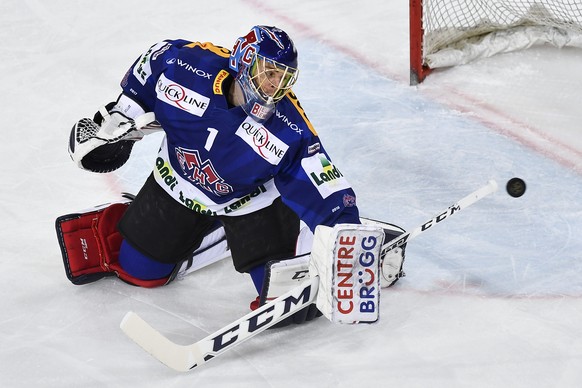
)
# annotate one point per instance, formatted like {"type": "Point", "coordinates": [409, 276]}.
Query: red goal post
{"type": "Point", "coordinates": [451, 32]}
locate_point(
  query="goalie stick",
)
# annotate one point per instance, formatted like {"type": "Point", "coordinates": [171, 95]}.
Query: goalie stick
{"type": "Point", "coordinates": [186, 357]}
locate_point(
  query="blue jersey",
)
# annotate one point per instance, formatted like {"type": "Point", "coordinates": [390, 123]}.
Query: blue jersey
{"type": "Point", "coordinates": [215, 159]}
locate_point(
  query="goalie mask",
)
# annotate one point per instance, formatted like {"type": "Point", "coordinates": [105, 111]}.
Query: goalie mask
{"type": "Point", "coordinates": [266, 62]}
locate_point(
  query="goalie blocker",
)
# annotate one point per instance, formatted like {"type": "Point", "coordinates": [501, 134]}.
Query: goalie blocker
{"type": "Point", "coordinates": [283, 275]}
{"type": "Point", "coordinates": [347, 260]}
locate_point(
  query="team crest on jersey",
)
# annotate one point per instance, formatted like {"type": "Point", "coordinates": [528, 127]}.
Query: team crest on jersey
{"type": "Point", "coordinates": [178, 96]}
{"type": "Point", "coordinates": [326, 177]}
{"type": "Point", "coordinates": [263, 142]}
{"type": "Point", "coordinates": [202, 173]}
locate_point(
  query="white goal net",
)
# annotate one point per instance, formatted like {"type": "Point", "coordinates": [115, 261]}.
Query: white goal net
{"type": "Point", "coordinates": [458, 31]}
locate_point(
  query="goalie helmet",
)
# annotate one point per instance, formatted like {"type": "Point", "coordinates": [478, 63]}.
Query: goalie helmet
{"type": "Point", "coordinates": [266, 63]}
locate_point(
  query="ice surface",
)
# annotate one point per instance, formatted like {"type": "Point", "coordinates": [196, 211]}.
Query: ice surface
{"type": "Point", "coordinates": [492, 297]}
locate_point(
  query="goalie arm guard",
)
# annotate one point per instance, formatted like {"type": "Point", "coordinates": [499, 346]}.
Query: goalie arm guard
{"type": "Point", "coordinates": [104, 143]}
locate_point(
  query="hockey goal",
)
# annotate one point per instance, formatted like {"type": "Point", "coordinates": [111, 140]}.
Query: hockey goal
{"type": "Point", "coordinates": [452, 32]}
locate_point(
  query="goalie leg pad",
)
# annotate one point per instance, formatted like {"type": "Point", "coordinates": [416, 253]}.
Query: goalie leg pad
{"type": "Point", "coordinates": [280, 276]}
{"type": "Point", "coordinates": [90, 244]}
{"type": "Point", "coordinates": [86, 254]}
{"type": "Point", "coordinates": [347, 260]}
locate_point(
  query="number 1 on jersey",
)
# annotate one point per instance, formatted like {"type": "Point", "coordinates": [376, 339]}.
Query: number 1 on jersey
{"type": "Point", "coordinates": [210, 140]}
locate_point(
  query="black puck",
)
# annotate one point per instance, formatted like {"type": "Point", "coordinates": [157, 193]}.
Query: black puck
{"type": "Point", "coordinates": [515, 187]}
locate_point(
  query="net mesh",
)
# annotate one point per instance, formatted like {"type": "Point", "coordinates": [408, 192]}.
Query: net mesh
{"type": "Point", "coordinates": [446, 22]}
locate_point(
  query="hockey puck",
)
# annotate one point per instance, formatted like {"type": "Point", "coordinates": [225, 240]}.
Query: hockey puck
{"type": "Point", "coordinates": [515, 187]}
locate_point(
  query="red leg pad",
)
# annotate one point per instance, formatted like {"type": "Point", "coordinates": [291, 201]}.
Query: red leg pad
{"type": "Point", "coordinates": [90, 242]}
{"type": "Point", "coordinates": [90, 245]}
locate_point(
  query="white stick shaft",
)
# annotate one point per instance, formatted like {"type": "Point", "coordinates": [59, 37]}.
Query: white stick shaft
{"type": "Point", "coordinates": [467, 201]}
{"type": "Point", "coordinates": [185, 357]}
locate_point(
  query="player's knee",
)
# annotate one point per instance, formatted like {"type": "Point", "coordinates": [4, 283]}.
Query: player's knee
{"type": "Point", "coordinates": [140, 266]}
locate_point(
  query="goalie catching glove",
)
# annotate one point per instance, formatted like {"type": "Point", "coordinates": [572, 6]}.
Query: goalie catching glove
{"type": "Point", "coordinates": [104, 143]}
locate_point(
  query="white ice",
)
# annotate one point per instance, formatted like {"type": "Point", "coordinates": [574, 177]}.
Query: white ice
{"type": "Point", "coordinates": [492, 297]}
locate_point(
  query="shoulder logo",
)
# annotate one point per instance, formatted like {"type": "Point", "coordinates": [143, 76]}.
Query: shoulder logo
{"type": "Point", "coordinates": [217, 84]}
{"type": "Point", "coordinates": [161, 51]}
{"type": "Point", "coordinates": [142, 69]}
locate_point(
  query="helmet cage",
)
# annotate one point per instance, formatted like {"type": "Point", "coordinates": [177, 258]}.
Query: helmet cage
{"type": "Point", "coordinates": [266, 65]}
{"type": "Point", "coordinates": [271, 79]}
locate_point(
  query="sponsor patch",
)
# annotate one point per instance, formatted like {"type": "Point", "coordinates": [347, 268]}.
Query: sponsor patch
{"type": "Point", "coordinates": [260, 111]}
{"type": "Point", "coordinates": [356, 283]}
{"type": "Point", "coordinates": [263, 142]}
{"type": "Point", "coordinates": [181, 97]}
{"type": "Point", "coordinates": [217, 84]}
{"type": "Point", "coordinates": [324, 175]}
{"type": "Point", "coordinates": [142, 69]}
{"type": "Point", "coordinates": [188, 67]}
{"type": "Point", "coordinates": [244, 201]}
{"type": "Point", "coordinates": [288, 122]}
{"type": "Point", "coordinates": [166, 173]}
{"type": "Point", "coordinates": [313, 148]}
